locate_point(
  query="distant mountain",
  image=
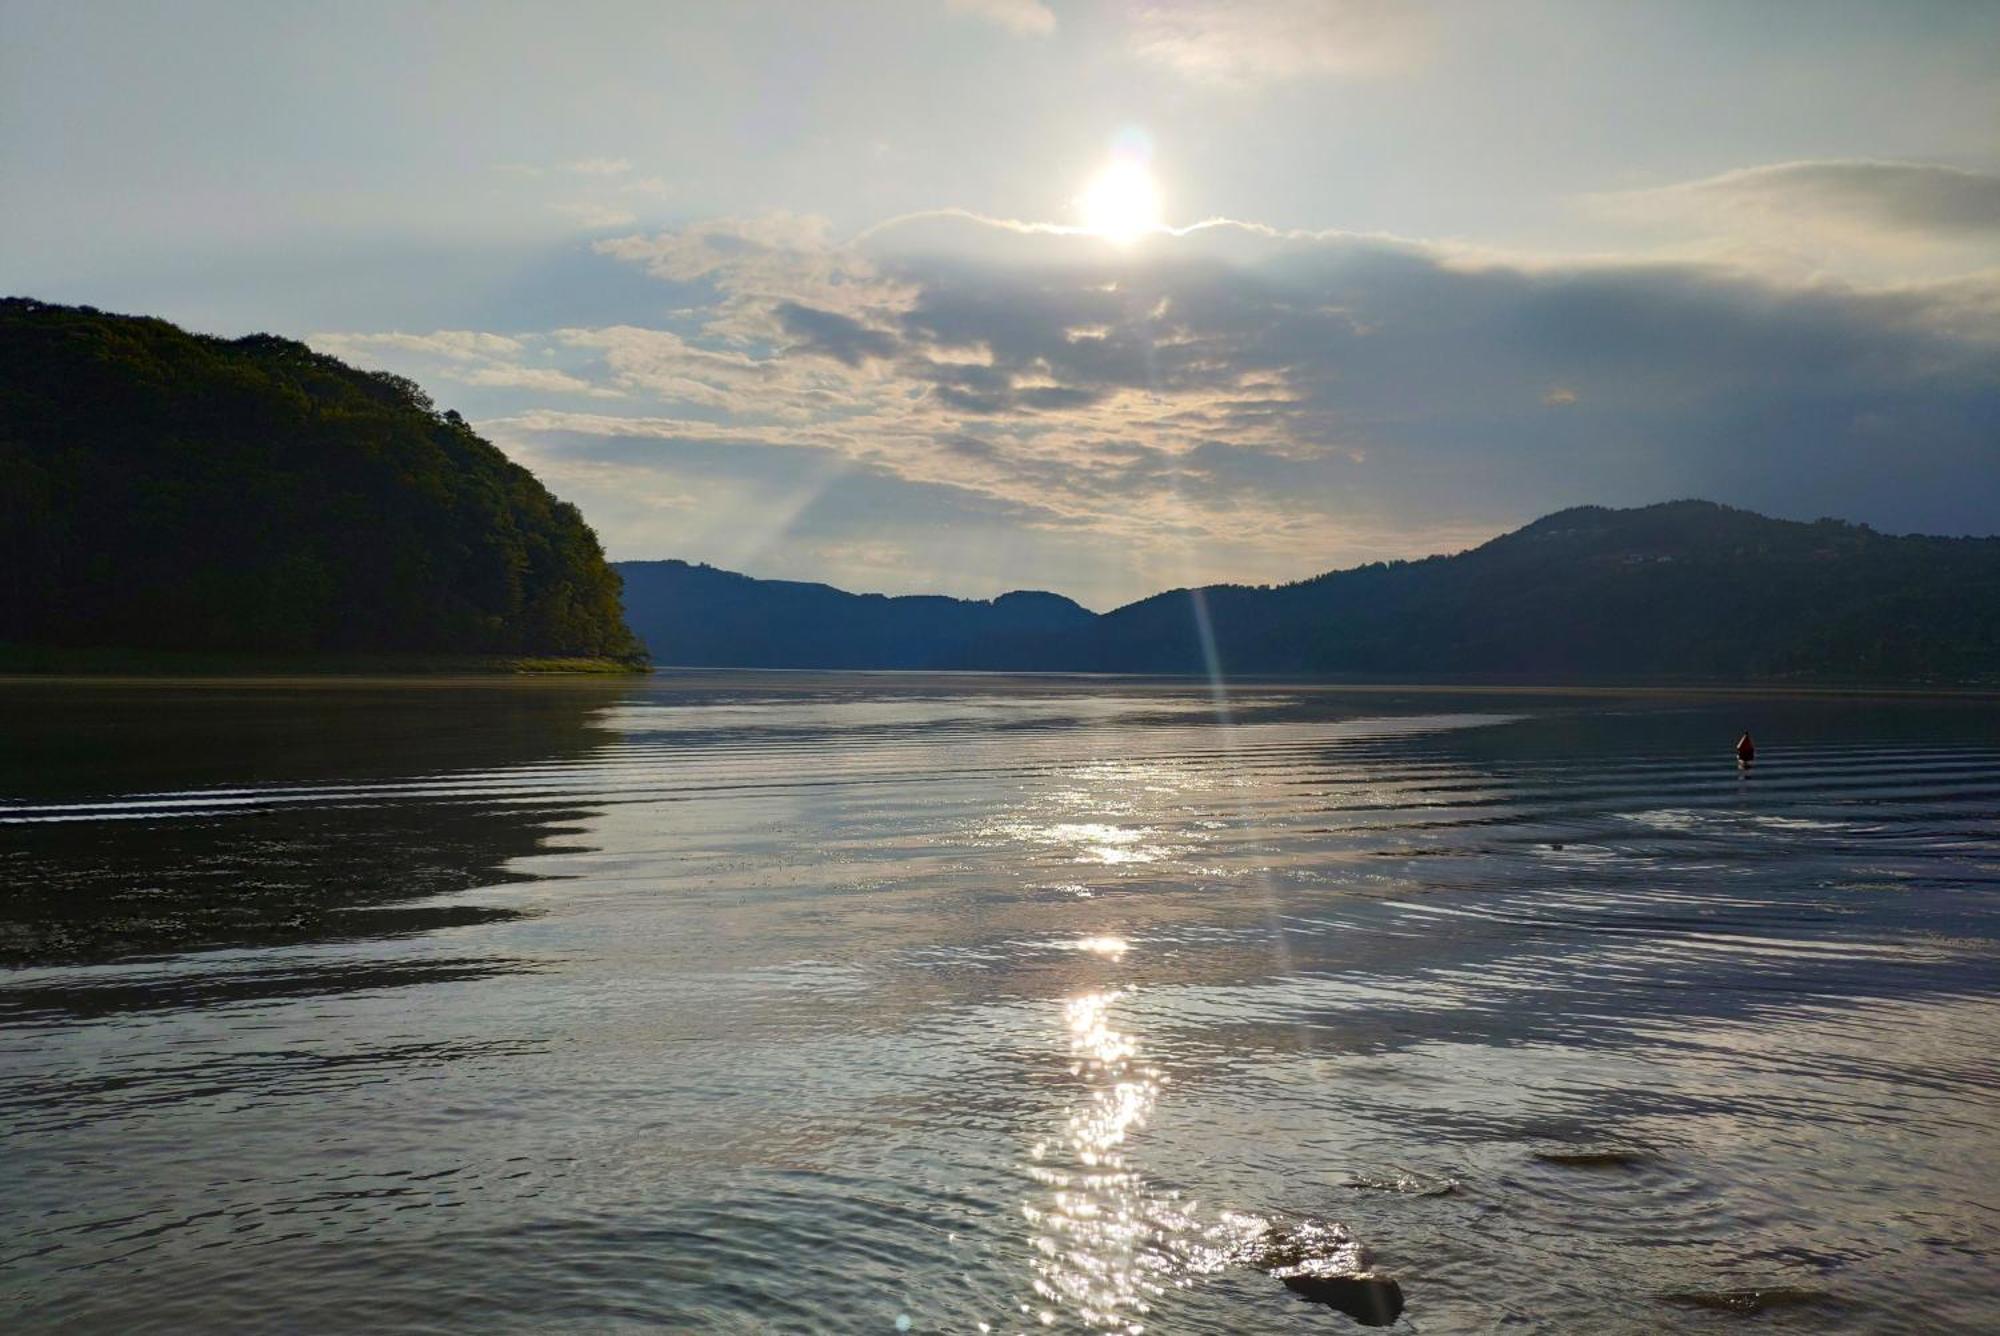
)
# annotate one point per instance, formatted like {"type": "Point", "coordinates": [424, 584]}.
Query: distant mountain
{"type": "Point", "coordinates": [161, 490]}
{"type": "Point", "coordinates": [698, 616]}
{"type": "Point", "coordinates": [1687, 590]}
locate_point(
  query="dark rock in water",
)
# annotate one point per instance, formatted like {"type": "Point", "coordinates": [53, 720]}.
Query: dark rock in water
{"type": "Point", "coordinates": [1594, 1157]}
{"type": "Point", "coordinates": [1746, 1302]}
{"type": "Point", "coordinates": [1406, 1183]}
{"type": "Point", "coordinates": [1328, 1247]}
{"type": "Point", "coordinates": [1327, 1264]}
{"type": "Point", "coordinates": [1371, 1300]}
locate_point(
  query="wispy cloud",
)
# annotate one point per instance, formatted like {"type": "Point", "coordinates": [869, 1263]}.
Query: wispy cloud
{"type": "Point", "coordinates": [599, 166]}
{"type": "Point", "coordinates": [448, 345]}
{"type": "Point", "coordinates": [542, 379]}
{"type": "Point", "coordinates": [1891, 198]}
{"type": "Point", "coordinates": [595, 217]}
{"type": "Point", "coordinates": [654, 187]}
{"type": "Point", "coordinates": [1242, 45]}
{"type": "Point", "coordinates": [469, 357]}
{"type": "Point", "coordinates": [1029, 17]}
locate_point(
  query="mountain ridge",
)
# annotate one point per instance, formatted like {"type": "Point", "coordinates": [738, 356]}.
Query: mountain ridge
{"type": "Point", "coordinates": [1686, 589]}
{"type": "Point", "coordinates": [708, 617]}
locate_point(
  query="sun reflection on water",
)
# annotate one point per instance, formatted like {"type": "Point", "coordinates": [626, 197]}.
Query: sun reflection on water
{"type": "Point", "coordinates": [1107, 1244]}
{"type": "Point", "coordinates": [1111, 948]}
{"type": "Point", "coordinates": [1094, 1226]}
{"type": "Point", "coordinates": [1097, 842]}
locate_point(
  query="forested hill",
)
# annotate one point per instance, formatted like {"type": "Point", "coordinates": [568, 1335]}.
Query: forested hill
{"type": "Point", "coordinates": [1686, 590]}
{"type": "Point", "coordinates": [167, 490]}
{"type": "Point", "coordinates": [698, 616]}
{"type": "Point", "coordinates": [1682, 591]}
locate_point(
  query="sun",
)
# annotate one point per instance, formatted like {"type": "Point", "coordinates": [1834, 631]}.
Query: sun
{"type": "Point", "coordinates": [1121, 203]}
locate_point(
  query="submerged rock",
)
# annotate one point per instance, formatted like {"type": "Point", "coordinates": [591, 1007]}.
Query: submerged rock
{"type": "Point", "coordinates": [1746, 1302]}
{"type": "Point", "coordinates": [1327, 1264]}
{"type": "Point", "coordinates": [1405, 1183]}
{"type": "Point", "coordinates": [1371, 1300]}
{"type": "Point", "coordinates": [1594, 1157]}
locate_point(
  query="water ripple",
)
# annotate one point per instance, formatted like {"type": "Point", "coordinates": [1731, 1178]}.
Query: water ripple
{"type": "Point", "coordinates": [806, 1002]}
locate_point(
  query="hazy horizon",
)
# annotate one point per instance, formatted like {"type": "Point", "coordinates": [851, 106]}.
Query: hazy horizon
{"type": "Point", "coordinates": [1022, 589]}
{"type": "Point", "coordinates": [963, 296]}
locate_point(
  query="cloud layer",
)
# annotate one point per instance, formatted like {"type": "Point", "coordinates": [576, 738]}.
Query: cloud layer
{"type": "Point", "coordinates": [1229, 402]}
{"type": "Point", "coordinates": [1861, 218]}
{"type": "Point", "coordinates": [1895, 197]}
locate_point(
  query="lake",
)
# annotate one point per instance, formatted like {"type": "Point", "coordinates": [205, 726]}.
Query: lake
{"type": "Point", "coordinates": [748, 1002]}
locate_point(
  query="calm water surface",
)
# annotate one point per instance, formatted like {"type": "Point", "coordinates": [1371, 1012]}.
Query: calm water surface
{"type": "Point", "coordinates": [879, 1003]}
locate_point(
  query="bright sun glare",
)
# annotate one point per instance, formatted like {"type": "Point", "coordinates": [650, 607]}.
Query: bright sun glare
{"type": "Point", "coordinates": [1121, 203]}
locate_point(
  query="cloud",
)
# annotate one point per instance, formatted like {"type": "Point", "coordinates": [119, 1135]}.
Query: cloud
{"type": "Point", "coordinates": [451, 345]}
{"type": "Point", "coordinates": [468, 357]}
{"type": "Point", "coordinates": [596, 217]}
{"type": "Point", "coordinates": [1232, 371]}
{"type": "Point", "coordinates": [1030, 18]}
{"type": "Point", "coordinates": [1242, 45]}
{"type": "Point", "coordinates": [652, 187]}
{"type": "Point", "coordinates": [599, 166]}
{"type": "Point", "coordinates": [543, 379]}
{"type": "Point", "coordinates": [1906, 199]}
{"type": "Point", "coordinates": [755, 265]}
{"type": "Point", "coordinates": [1237, 403]}
{"type": "Point", "coordinates": [831, 334]}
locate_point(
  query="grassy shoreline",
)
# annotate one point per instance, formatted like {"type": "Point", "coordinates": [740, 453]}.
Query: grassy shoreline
{"type": "Point", "coordinates": [44, 661]}
{"type": "Point", "coordinates": [25, 663]}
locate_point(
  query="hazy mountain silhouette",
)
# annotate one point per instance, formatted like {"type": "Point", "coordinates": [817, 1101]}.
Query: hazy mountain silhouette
{"type": "Point", "coordinates": [1687, 590]}
{"type": "Point", "coordinates": [698, 616]}
{"type": "Point", "coordinates": [162, 490]}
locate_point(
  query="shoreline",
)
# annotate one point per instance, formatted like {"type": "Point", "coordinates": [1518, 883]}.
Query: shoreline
{"type": "Point", "coordinates": [1497, 686]}
{"type": "Point", "coordinates": [140, 671]}
{"type": "Point", "coordinates": [21, 663]}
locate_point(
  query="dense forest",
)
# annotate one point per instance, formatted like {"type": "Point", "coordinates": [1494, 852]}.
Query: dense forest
{"type": "Point", "coordinates": [698, 616]}
{"type": "Point", "coordinates": [163, 490]}
{"type": "Point", "coordinates": [1682, 591]}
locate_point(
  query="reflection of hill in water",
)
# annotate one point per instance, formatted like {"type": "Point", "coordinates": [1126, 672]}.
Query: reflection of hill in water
{"type": "Point", "coordinates": [169, 819]}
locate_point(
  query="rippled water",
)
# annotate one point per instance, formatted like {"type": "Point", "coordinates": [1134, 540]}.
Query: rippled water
{"type": "Point", "coordinates": [877, 1003]}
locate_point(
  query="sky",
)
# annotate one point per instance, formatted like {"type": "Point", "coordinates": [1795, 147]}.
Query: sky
{"type": "Point", "coordinates": [965, 296]}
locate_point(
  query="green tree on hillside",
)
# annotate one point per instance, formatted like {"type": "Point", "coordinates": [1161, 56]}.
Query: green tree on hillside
{"type": "Point", "coordinates": [166, 490]}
